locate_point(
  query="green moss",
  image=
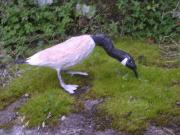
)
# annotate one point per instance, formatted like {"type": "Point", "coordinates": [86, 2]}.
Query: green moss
{"type": "Point", "coordinates": [33, 81]}
{"type": "Point", "coordinates": [134, 102]}
{"type": "Point", "coordinates": [146, 54]}
{"type": "Point", "coordinates": [131, 102]}
{"type": "Point", "coordinates": [47, 107]}
{"type": "Point", "coordinates": [46, 96]}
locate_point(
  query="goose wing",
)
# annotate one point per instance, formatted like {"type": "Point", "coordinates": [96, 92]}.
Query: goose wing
{"type": "Point", "coordinates": [60, 54]}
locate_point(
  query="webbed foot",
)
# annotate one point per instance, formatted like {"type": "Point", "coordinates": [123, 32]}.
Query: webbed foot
{"type": "Point", "coordinates": [70, 88]}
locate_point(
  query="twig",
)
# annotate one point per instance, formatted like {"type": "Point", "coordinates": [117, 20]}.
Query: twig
{"type": "Point", "coordinates": [177, 5]}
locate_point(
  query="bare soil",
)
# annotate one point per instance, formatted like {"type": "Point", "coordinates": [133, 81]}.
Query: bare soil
{"type": "Point", "coordinates": [79, 123]}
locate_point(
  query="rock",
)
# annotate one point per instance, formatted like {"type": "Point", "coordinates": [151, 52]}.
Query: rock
{"type": "Point", "coordinates": [89, 105]}
{"type": "Point", "coordinates": [8, 114]}
{"type": "Point", "coordinates": [153, 130]}
{"type": "Point", "coordinates": [178, 103]}
{"type": "Point", "coordinates": [109, 132]}
{"type": "Point", "coordinates": [43, 2]}
{"type": "Point", "coordinates": [63, 118]}
{"type": "Point", "coordinates": [26, 95]}
{"type": "Point", "coordinates": [85, 10]}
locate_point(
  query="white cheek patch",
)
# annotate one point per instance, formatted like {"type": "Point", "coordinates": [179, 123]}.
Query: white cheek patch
{"type": "Point", "coordinates": [124, 61]}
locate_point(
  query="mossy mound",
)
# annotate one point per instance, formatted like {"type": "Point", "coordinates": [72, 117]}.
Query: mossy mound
{"type": "Point", "coordinates": [131, 102]}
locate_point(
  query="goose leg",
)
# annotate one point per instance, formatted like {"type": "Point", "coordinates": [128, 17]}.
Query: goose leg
{"type": "Point", "coordinates": [76, 73]}
{"type": "Point", "coordinates": [67, 87]}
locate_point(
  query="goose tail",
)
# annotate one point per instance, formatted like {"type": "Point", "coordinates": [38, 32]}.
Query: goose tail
{"type": "Point", "coordinates": [21, 61]}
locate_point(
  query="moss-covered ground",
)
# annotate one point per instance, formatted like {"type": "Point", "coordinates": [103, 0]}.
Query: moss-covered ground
{"type": "Point", "coordinates": [131, 102]}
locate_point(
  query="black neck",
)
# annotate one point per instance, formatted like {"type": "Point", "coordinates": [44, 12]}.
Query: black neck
{"type": "Point", "coordinates": [108, 46]}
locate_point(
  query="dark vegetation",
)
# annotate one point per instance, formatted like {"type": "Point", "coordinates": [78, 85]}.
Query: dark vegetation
{"type": "Point", "coordinates": [24, 25]}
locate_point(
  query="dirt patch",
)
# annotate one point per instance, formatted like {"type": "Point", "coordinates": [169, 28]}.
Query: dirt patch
{"type": "Point", "coordinates": [153, 130]}
{"type": "Point", "coordinates": [7, 73]}
{"type": "Point", "coordinates": [81, 123]}
{"type": "Point", "coordinates": [84, 122]}
{"type": "Point", "coordinates": [9, 113]}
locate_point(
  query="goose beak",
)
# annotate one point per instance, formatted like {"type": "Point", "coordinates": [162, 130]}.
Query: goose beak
{"type": "Point", "coordinates": [135, 72]}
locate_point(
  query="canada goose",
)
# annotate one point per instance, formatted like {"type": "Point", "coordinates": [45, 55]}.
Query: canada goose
{"type": "Point", "coordinates": [72, 51]}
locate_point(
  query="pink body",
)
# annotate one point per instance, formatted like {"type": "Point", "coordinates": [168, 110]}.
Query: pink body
{"type": "Point", "coordinates": [65, 54]}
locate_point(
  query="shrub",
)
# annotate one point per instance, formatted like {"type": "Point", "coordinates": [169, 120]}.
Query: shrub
{"type": "Point", "coordinates": [23, 23]}
{"type": "Point", "coordinates": [150, 19]}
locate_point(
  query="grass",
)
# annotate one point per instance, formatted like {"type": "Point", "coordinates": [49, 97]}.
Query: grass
{"type": "Point", "coordinates": [47, 105]}
{"type": "Point", "coordinates": [131, 102]}
{"type": "Point", "coordinates": [46, 97]}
